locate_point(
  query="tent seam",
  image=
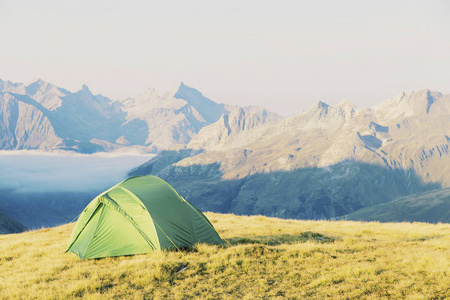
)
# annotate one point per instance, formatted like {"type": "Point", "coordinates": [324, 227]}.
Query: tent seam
{"type": "Point", "coordinates": [135, 196]}
{"type": "Point", "coordinates": [96, 229]}
{"type": "Point", "coordinates": [165, 234]}
{"type": "Point", "coordinates": [203, 218]}
{"type": "Point", "coordinates": [113, 204]}
{"type": "Point", "coordinates": [184, 200]}
{"type": "Point", "coordinates": [190, 219]}
{"type": "Point", "coordinates": [87, 222]}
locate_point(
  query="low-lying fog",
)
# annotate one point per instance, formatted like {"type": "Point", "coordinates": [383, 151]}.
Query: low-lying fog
{"type": "Point", "coordinates": [32, 171]}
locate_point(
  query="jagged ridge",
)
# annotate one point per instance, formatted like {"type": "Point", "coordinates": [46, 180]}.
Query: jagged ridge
{"type": "Point", "coordinates": [43, 116]}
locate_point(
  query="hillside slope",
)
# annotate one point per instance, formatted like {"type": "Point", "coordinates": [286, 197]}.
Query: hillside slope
{"type": "Point", "coordinates": [8, 225]}
{"type": "Point", "coordinates": [267, 258]}
{"type": "Point", "coordinates": [433, 206]}
{"type": "Point", "coordinates": [44, 209]}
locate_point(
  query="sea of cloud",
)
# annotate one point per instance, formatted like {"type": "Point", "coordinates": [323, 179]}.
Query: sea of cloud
{"type": "Point", "coordinates": [34, 171]}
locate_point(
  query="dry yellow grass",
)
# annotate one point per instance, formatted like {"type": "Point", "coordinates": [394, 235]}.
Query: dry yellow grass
{"type": "Point", "coordinates": [268, 259]}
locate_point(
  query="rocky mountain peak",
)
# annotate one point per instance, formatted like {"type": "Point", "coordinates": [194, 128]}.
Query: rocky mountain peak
{"type": "Point", "coordinates": [346, 104]}
{"type": "Point", "coordinates": [321, 105]}
{"type": "Point", "coordinates": [85, 88]}
{"type": "Point", "coordinates": [238, 113]}
{"type": "Point", "coordinates": [38, 85]}
{"type": "Point", "coordinates": [347, 109]}
{"type": "Point", "coordinates": [182, 91]}
{"type": "Point", "coordinates": [319, 108]}
{"type": "Point", "coordinates": [208, 109]}
{"type": "Point", "coordinates": [11, 87]}
{"type": "Point", "coordinates": [146, 97]}
{"type": "Point", "coordinates": [45, 93]}
{"type": "Point", "coordinates": [178, 89]}
{"type": "Point", "coordinates": [404, 105]}
{"type": "Point", "coordinates": [39, 81]}
{"type": "Point", "coordinates": [150, 93]}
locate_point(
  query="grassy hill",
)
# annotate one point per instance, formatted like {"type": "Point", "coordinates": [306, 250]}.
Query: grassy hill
{"type": "Point", "coordinates": [267, 258]}
{"type": "Point", "coordinates": [432, 206]}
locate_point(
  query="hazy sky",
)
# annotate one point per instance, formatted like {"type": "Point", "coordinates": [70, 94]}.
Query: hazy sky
{"type": "Point", "coordinates": [283, 55]}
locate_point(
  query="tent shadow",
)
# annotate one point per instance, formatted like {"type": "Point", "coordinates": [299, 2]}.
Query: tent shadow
{"type": "Point", "coordinates": [183, 250]}
{"type": "Point", "coordinates": [267, 240]}
{"type": "Point", "coordinates": [279, 239]}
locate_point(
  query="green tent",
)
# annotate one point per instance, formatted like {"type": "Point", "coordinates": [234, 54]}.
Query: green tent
{"type": "Point", "coordinates": [138, 215]}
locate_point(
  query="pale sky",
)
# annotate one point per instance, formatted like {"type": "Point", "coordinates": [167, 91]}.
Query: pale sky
{"type": "Point", "coordinates": [282, 55]}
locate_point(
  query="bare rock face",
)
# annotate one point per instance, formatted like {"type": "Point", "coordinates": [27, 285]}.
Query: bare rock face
{"type": "Point", "coordinates": [23, 126]}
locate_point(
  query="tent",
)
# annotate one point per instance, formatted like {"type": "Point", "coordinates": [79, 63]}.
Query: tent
{"type": "Point", "coordinates": [138, 215]}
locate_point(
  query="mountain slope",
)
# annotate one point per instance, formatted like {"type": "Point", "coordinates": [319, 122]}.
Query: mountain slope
{"type": "Point", "coordinates": [44, 209]}
{"type": "Point", "coordinates": [326, 162]}
{"type": "Point", "coordinates": [8, 225]}
{"type": "Point", "coordinates": [432, 207]}
{"type": "Point", "coordinates": [24, 125]}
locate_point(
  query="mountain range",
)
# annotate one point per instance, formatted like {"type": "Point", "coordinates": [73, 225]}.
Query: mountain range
{"type": "Point", "coordinates": [327, 162]}
{"type": "Point", "coordinates": [43, 116]}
